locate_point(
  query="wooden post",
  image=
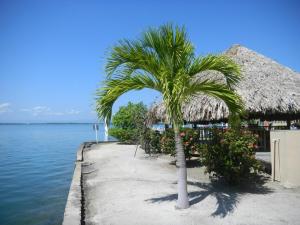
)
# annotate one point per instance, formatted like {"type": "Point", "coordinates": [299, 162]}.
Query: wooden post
{"type": "Point", "coordinates": [265, 140]}
{"type": "Point", "coordinates": [288, 123]}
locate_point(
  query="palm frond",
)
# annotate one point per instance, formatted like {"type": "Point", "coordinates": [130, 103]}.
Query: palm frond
{"type": "Point", "coordinates": [112, 89]}
{"type": "Point", "coordinates": [130, 56]}
{"type": "Point", "coordinates": [220, 63]}
{"type": "Point", "coordinates": [171, 46]}
{"type": "Point", "coordinates": [219, 91]}
{"type": "Point", "coordinates": [166, 48]}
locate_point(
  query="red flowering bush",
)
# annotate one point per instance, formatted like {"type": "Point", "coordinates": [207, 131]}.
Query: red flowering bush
{"type": "Point", "coordinates": [231, 155]}
{"type": "Point", "coordinates": [190, 141]}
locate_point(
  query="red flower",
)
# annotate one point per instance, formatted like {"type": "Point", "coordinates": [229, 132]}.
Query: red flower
{"type": "Point", "coordinates": [182, 134]}
{"type": "Point", "coordinates": [251, 145]}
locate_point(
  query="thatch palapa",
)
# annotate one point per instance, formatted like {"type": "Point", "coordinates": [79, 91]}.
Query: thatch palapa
{"type": "Point", "coordinates": [269, 91]}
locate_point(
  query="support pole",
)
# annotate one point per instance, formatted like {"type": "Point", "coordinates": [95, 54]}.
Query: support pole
{"type": "Point", "coordinates": [96, 135]}
{"type": "Point", "coordinates": [288, 123]}
{"type": "Point", "coordinates": [105, 130]}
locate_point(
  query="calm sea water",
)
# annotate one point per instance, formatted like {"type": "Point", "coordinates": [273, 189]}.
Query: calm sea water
{"type": "Point", "coordinates": [36, 169]}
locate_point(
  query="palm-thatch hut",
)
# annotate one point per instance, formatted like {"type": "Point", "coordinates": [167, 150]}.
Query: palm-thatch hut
{"type": "Point", "coordinates": [269, 90]}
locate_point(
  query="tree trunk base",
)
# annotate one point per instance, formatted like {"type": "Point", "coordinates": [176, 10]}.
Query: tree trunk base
{"type": "Point", "coordinates": [181, 208]}
{"type": "Point", "coordinates": [183, 199]}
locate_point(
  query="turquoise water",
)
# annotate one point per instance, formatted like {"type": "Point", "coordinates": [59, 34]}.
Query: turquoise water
{"type": "Point", "coordinates": [36, 169]}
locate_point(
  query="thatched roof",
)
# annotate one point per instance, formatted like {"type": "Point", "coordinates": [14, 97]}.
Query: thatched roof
{"type": "Point", "coordinates": [268, 89]}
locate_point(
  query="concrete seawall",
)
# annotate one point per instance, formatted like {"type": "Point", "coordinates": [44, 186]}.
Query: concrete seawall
{"type": "Point", "coordinates": [72, 214]}
{"type": "Point", "coordinates": [75, 210]}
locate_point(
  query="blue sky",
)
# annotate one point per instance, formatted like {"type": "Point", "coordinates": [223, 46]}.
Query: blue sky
{"type": "Point", "coordinates": [52, 52]}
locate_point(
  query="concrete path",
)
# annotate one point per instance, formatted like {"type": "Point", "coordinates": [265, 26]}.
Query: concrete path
{"type": "Point", "coordinates": [120, 189]}
{"type": "Point", "coordinates": [264, 156]}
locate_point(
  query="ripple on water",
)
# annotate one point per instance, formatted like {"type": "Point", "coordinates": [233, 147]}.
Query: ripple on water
{"type": "Point", "coordinates": [36, 171]}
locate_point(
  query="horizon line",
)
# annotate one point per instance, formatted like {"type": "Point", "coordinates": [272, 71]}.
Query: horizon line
{"type": "Point", "coordinates": [28, 123]}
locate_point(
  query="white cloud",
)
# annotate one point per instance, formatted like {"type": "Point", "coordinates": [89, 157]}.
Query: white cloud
{"type": "Point", "coordinates": [73, 112]}
{"type": "Point", "coordinates": [56, 113]}
{"type": "Point", "coordinates": [46, 111]}
{"type": "Point", "coordinates": [5, 107]}
{"type": "Point", "coordinates": [68, 112]}
{"type": "Point", "coordinates": [25, 110]}
{"type": "Point", "coordinates": [38, 110]}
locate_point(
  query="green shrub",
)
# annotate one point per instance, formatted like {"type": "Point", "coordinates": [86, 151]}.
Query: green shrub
{"type": "Point", "coordinates": [128, 116]}
{"type": "Point", "coordinates": [128, 123]}
{"type": "Point", "coordinates": [145, 139]}
{"type": "Point", "coordinates": [150, 141]}
{"type": "Point", "coordinates": [155, 137]}
{"type": "Point", "coordinates": [190, 142]}
{"type": "Point", "coordinates": [167, 142]}
{"type": "Point", "coordinates": [231, 155]}
{"type": "Point", "coordinates": [126, 136]}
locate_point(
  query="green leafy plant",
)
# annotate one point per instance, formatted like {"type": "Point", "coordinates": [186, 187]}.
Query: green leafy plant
{"type": "Point", "coordinates": [167, 142]}
{"type": "Point", "coordinates": [190, 141]}
{"type": "Point", "coordinates": [127, 136]}
{"type": "Point", "coordinates": [150, 141]}
{"type": "Point", "coordinates": [155, 137]}
{"type": "Point", "coordinates": [128, 122]}
{"type": "Point", "coordinates": [231, 155]}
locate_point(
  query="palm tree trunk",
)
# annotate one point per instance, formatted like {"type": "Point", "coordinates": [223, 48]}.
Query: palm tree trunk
{"type": "Point", "coordinates": [183, 200]}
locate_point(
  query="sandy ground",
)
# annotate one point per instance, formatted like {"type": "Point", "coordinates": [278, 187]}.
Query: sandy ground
{"type": "Point", "coordinates": [121, 189]}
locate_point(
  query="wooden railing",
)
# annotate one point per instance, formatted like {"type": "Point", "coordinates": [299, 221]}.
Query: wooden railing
{"type": "Point", "coordinates": [263, 133]}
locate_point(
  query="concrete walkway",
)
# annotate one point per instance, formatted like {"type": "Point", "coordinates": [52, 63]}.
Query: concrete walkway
{"type": "Point", "coordinates": [264, 156]}
{"type": "Point", "coordinates": [121, 189]}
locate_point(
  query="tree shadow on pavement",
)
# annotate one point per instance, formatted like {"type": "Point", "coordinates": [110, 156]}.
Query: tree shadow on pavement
{"type": "Point", "coordinates": [193, 163]}
{"type": "Point", "coordinates": [227, 196]}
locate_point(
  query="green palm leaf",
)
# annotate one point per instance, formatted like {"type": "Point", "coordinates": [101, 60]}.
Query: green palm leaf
{"type": "Point", "coordinates": [220, 63]}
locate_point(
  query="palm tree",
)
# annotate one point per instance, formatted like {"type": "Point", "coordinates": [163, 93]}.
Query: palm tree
{"type": "Point", "coordinates": [163, 59]}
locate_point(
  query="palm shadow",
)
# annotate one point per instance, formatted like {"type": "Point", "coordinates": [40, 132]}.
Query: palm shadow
{"type": "Point", "coordinates": [227, 197]}
{"type": "Point", "coordinates": [193, 163]}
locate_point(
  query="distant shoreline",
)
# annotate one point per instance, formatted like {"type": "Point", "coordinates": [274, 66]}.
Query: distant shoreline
{"type": "Point", "coordinates": [63, 123]}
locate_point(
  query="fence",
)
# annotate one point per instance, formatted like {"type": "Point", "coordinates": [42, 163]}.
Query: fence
{"type": "Point", "coordinates": [263, 133]}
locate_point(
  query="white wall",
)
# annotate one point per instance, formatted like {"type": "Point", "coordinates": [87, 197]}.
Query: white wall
{"type": "Point", "coordinates": [285, 157]}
